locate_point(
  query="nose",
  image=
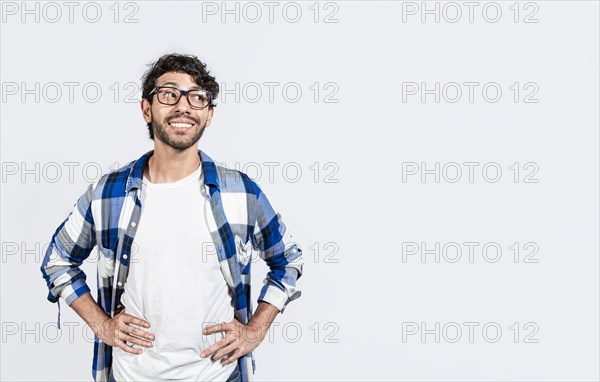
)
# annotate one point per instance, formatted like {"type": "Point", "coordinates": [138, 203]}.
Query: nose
{"type": "Point", "coordinates": [183, 105]}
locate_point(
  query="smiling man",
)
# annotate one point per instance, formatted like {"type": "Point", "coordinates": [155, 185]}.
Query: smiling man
{"type": "Point", "coordinates": [175, 233]}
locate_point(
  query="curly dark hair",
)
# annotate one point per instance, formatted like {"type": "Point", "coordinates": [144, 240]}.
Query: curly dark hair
{"type": "Point", "coordinates": [182, 63]}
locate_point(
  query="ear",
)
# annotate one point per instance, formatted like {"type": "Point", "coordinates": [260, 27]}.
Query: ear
{"type": "Point", "coordinates": [146, 110]}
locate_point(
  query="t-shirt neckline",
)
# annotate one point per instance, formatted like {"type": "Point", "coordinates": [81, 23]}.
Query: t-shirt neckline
{"type": "Point", "coordinates": [196, 175]}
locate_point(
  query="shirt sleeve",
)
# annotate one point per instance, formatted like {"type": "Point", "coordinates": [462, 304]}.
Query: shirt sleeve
{"type": "Point", "coordinates": [71, 244]}
{"type": "Point", "coordinates": [282, 255]}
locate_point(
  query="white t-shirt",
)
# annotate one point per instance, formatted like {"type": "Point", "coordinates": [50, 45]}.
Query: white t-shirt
{"type": "Point", "coordinates": [175, 283]}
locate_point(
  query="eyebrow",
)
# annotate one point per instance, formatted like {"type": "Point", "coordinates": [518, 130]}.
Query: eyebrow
{"type": "Point", "coordinates": [195, 87]}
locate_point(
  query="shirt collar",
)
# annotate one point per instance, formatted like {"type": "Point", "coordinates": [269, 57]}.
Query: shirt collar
{"type": "Point", "coordinates": [209, 169]}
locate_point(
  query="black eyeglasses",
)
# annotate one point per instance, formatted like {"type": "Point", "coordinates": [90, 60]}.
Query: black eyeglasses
{"type": "Point", "coordinates": [197, 98]}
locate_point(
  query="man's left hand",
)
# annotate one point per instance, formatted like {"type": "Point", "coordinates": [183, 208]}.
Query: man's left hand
{"type": "Point", "coordinates": [239, 340]}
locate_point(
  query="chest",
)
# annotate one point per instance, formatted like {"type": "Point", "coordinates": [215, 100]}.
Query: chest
{"type": "Point", "coordinates": [219, 224]}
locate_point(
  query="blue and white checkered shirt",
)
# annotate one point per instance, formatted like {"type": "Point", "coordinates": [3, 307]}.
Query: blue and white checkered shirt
{"type": "Point", "coordinates": [108, 213]}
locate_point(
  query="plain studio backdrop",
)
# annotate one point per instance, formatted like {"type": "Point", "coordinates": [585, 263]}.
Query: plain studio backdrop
{"type": "Point", "coordinates": [436, 161]}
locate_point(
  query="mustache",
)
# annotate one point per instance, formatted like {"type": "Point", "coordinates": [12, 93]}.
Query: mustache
{"type": "Point", "coordinates": [191, 119]}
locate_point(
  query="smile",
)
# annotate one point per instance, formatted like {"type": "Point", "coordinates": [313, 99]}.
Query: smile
{"type": "Point", "coordinates": [181, 125]}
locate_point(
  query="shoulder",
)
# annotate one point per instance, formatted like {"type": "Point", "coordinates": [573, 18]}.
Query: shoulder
{"type": "Point", "coordinates": [113, 183]}
{"type": "Point", "coordinates": [236, 181]}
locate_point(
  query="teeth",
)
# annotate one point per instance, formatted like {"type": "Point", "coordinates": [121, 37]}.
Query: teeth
{"type": "Point", "coordinates": [180, 124]}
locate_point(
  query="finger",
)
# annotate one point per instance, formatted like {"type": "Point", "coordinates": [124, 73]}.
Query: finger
{"type": "Point", "coordinates": [232, 358]}
{"type": "Point", "coordinates": [129, 349]}
{"type": "Point", "coordinates": [121, 342]}
{"type": "Point", "coordinates": [224, 351]}
{"type": "Point", "coordinates": [211, 350]}
{"type": "Point", "coordinates": [135, 340]}
{"type": "Point", "coordinates": [139, 332]}
{"type": "Point", "coordinates": [129, 319]}
{"type": "Point", "coordinates": [215, 328]}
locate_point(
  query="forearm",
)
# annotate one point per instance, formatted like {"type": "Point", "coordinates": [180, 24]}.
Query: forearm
{"type": "Point", "coordinates": [263, 317]}
{"type": "Point", "coordinates": [87, 308]}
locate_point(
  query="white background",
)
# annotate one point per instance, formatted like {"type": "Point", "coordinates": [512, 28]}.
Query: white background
{"type": "Point", "coordinates": [358, 305]}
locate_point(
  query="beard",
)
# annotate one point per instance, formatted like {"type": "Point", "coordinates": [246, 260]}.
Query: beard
{"type": "Point", "coordinates": [177, 140]}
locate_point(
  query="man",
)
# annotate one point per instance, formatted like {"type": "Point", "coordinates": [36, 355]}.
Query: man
{"type": "Point", "coordinates": [177, 306]}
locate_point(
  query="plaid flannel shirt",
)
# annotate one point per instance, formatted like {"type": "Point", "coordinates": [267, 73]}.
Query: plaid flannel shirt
{"type": "Point", "coordinates": [107, 216]}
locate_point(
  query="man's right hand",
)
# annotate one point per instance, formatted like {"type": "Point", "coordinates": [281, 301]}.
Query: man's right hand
{"type": "Point", "coordinates": [115, 331]}
{"type": "Point", "coordinates": [118, 331]}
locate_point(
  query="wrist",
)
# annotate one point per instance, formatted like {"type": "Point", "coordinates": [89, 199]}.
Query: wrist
{"type": "Point", "coordinates": [98, 325]}
{"type": "Point", "coordinates": [260, 328]}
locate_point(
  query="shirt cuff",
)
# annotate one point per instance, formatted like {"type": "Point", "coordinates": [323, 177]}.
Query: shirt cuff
{"type": "Point", "coordinates": [275, 296]}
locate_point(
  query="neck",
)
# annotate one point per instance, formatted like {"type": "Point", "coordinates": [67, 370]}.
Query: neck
{"type": "Point", "coordinates": [168, 165]}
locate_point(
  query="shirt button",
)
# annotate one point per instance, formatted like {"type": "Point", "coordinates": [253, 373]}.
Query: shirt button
{"type": "Point", "coordinates": [124, 256]}
{"type": "Point", "coordinates": [133, 224]}
{"type": "Point", "coordinates": [119, 306]}
{"type": "Point", "coordinates": [120, 283]}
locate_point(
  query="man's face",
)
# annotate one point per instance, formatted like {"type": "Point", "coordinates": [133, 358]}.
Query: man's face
{"type": "Point", "coordinates": [179, 126]}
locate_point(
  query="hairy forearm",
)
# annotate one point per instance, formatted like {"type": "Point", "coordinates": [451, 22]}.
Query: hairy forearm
{"type": "Point", "coordinates": [263, 317]}
{"type": "Point", "coordinates": [90, 312]}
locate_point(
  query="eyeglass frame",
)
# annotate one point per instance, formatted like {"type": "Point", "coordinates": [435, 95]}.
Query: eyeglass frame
{"type": "Point", "coordinates": [183, 93]}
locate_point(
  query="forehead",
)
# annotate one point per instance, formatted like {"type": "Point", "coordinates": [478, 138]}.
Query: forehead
{"type": "Point", "coordinates": [181, 79]}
